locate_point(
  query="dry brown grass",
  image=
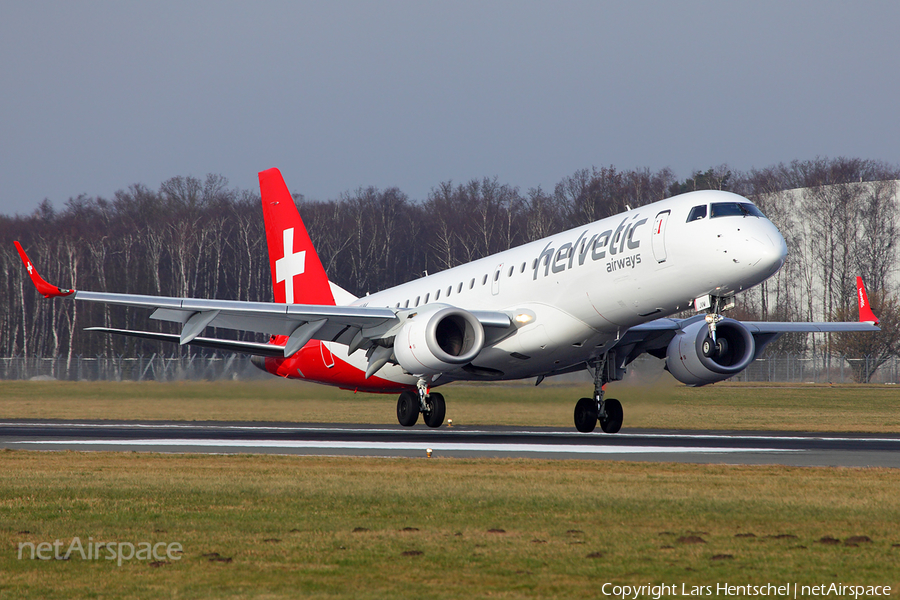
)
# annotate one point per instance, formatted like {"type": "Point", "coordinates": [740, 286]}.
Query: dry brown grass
{"type": "Point", "coordinates": [388, 528]}
{"type": "Point", "coordinates": [874, 408]}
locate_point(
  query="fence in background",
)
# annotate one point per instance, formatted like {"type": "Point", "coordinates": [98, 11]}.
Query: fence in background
{"type": "Point", "coordinates": [143, 368]}
{"type": "Point", "coordinates": [787, 368]}
{"type": "Point", "coordinates": [819, 369]}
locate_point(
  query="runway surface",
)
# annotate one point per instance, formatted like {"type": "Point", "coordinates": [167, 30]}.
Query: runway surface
{"type": "Point", "coordinates": [726, 447]}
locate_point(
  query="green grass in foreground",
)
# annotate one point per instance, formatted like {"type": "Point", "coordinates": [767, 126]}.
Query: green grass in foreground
{"type": "Point", "coordinates": [874, 408]}
{"type": "Point", "coordinates": [419, 528]}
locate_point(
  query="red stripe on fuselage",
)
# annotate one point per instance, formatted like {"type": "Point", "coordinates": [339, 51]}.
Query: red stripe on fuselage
{"type": "Point", "coordinates": [307, 364]}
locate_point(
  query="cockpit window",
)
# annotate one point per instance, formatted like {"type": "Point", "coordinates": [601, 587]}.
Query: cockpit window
{"type": "Point", "coordinates": [734, 209]}
{"type": "Point", "coordinates": [697, 213]}
{"type": "Point", "coordinates": [751, 208]}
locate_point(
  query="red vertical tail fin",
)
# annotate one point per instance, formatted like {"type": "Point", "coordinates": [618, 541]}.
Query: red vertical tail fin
{"type": "Point", "coordinates": [298, 276]}
{"type": "Point", "coordinates": [865, 311]}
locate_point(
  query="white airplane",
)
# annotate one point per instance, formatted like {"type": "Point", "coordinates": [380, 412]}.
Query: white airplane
{"type": "Point", "coordinates": [594, 297]}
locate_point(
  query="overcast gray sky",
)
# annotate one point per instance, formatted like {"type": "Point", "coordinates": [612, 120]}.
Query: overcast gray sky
{"type": "Point", "coordinates": [95, 96]}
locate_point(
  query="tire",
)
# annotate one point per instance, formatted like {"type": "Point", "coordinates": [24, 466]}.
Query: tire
{"type": "Point", "coordinates": [586, 415]}
{"type": "Point", "coordinates": [408, 409]}
{"type": "Point", "coordinates": [435, 417]}
{"type": "Point", "coordinates": [612, 422]}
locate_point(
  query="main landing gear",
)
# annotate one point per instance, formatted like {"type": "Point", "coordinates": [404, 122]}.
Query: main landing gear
{"type": "Point", "coordinates": [430, 404]}
{"type": "Point", "coordinates": [608, 411]}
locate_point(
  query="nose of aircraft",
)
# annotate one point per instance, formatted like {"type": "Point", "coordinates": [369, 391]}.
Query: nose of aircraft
{"type": "Point", "coordinates": [770, 249]}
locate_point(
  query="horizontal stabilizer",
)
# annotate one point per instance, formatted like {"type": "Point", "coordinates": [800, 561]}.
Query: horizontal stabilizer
{"type": "Point", "coordinates": [253, 348]}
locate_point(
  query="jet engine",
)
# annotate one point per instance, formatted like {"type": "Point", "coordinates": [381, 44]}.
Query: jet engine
{"type": "Point", "coordinates": [438, 339]}
{"type": "Point", "coordinates": [692, 357]}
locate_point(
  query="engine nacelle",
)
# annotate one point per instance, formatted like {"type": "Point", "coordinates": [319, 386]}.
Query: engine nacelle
{"type": "Point", "coordinates": [437, 339]}
{"type": "Point", "coordinates": [693, 359]}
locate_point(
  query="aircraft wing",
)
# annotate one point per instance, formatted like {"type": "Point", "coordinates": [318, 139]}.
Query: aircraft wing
{"type": "Point", "coordinates": [659, 326]}
{"type": "Point", "coordinates": [653, 337]}
{"type": "Point", "coordinates": [810, 327]}
{"type": "Point", "coordinates": [350, 325]}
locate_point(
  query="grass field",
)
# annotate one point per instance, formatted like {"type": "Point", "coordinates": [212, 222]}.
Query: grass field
{"type": "Point", "coordinates": [344, 527]}
{"type": "Point", "coordinates": [272, 527]}
{"type": "Point", "coordinates": [800, 407]}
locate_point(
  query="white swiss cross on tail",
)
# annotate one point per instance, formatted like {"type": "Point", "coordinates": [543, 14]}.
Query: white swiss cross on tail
{"type": "Point", "coordinates": [291, 252]}
{"type": "Point", "coordinates": [290, 265]}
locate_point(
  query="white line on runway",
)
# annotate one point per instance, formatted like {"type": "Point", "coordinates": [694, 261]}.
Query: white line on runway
{"type": "Point", "coordinates": [688, 436]}
{"type": "Point", "coordinates": [418, 446]}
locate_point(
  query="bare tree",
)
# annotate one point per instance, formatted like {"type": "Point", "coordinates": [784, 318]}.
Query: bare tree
{"type": "Point", "coordinates": [866, 351]}
{"type": "Point", "coordinates": [876, 250]}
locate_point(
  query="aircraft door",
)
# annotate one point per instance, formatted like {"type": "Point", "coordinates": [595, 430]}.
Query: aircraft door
{"type": "Point", "coordinates": [658, 240]}
{"type": "Point", "coordinates": [495, 281]}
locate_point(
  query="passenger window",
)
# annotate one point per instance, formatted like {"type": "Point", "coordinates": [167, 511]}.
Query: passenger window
{"type": "Point", "coordinates": [427, 296]}
{"type": "Point", "coordinates": [417, 300]}
{"type": "Point", "coordinates": [511, 269]}
{"type": "Point", "coordinates": [437, 295]}
{"type": "Point", "coordinates": [472, 283]}
{"type": "Point", "coordinates": [484, 281]}
{"type": "Point", "coordinates": [449, 289]}
{"type": "Point", "coordinates": [523, 268]}
{"type": "Point", "coordinates": [406, 304]}
{"type": "Point", "coordinates": [697, 213]}
{"type": "Point", "coordinates": [459, 289]}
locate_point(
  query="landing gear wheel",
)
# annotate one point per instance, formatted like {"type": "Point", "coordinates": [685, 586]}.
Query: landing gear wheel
{"type": "Point", "coordinates": [586, 415]}
{"type": "Point", "coordinates": [612, 421]}
{"type": "Point", "coordinates": [408, 409]}
{"type": "Point", "coordinates": [435, 416]}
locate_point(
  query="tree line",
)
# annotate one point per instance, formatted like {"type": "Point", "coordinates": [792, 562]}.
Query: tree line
{"type": "Point", "coordinates": [202, 238]}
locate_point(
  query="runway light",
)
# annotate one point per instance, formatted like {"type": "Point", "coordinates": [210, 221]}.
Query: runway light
{"type": "Point", "coordinates": [428, 451]}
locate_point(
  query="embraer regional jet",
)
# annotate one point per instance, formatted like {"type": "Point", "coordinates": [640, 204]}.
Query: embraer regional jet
{"type": "Point", "coordinates": [594, 297]}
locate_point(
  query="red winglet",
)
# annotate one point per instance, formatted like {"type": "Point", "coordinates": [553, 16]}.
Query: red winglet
{"type": "Point", "coordinates": [865, 311]}
{"type": "Point", "coordinates": [49, 291]}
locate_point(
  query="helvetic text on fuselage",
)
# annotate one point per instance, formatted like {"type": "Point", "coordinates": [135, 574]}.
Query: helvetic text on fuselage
{"type": "Point", "coordinates": [598, 247]}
